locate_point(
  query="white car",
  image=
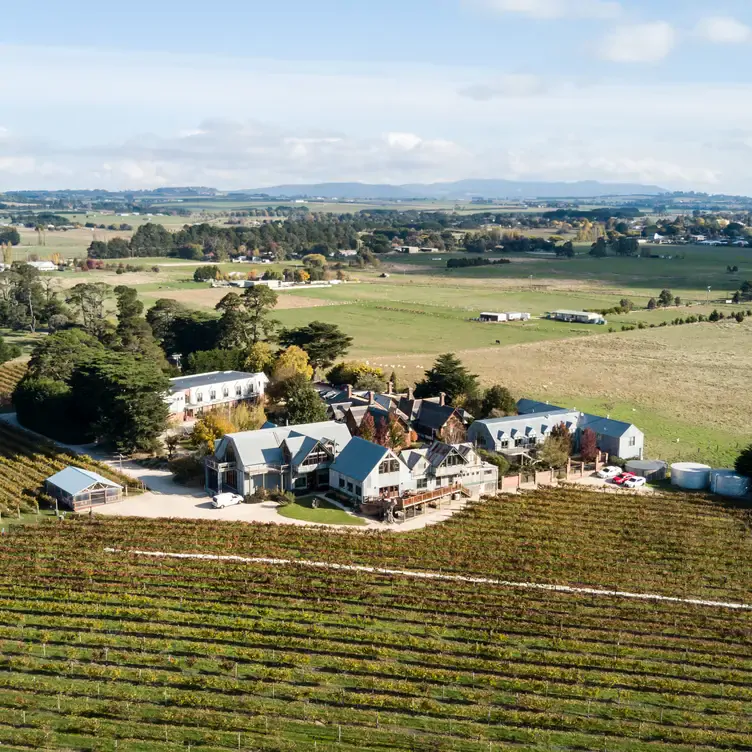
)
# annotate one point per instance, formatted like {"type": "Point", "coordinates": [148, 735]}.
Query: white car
{"type": "Point", "coordinates": [609, 472]}
{"type": "Point", "coordinates": [635, 482]}
{"type": "Point", "coordinates": [222, 500]}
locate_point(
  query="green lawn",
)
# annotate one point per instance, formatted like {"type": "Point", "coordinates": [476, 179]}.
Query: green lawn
{"type": "Point", "coordinates": [327, 513]}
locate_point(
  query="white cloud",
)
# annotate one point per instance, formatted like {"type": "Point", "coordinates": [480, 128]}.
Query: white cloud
{"type": "Point", "coordinates": [724, 30]}
{"type": "Point", "coordinates": [639, 43]}
{"type": "Point", "coordinates": [510, 85]}
{"type": "Point", "coordinates": [548, 9]}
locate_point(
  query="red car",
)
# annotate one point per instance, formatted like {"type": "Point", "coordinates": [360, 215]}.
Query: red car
{"type": "Point", "coordinates": [620, 479]}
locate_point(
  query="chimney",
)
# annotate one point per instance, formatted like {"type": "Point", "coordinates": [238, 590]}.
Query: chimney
{"type": "Point", "coordinates": [389, 387]}
{"type": "Point", "coordinates": [409, 392]}
{"type": "Point", "coordinates": [349, 391]}
{"type": "Point", "coordinates": [371, 400]}
{"type": "Point", "coordinates": [442, 398]}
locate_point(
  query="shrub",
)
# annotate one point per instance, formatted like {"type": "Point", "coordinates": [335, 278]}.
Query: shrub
{"type": "Point", "coordinates": [187, 470]}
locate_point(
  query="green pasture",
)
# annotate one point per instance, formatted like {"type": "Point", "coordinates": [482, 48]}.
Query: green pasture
{"type": "Point", "coordinates": [700, 267]}
{"type": "Point", "coordinates": [404, 328]}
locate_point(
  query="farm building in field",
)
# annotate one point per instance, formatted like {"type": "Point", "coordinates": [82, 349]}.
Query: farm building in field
{"type": "Point", "coordinates": [493, 318]}
{"type": "Point", "coordinates": [285, 458]}
{"type": "Point", "coordinates": [190, 396]}
{"type": "Point", "coordinates": [80, 489]}
{"type": "Point", "coordinates": [496, 318]}
{"type": "Point", "coordinates": [577, 317]}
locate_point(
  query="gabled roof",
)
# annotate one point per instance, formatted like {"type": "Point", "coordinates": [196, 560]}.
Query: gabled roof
{"type": "Point", "coordinates": [605, 426]}
{"type": "Point", "coordinates": [213, 377]}
{"type": "Point", "coordinates": [264, 447]}
{"type": "Point", "coordinates": [528, 406]}
{"type": "Point", "coordinates": [359, 458]}
{"type": "Point", "coordinates": [74, 480]}
{"type": "Point", "coordinates": [413, 457]}
{"type": "Point", "coordinates": [426, 413]}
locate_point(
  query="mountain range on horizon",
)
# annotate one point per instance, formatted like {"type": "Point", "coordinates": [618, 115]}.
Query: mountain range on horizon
{"type": "Point", "coordinates": [460, 190]}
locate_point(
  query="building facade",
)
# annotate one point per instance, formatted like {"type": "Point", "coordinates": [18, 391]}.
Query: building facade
{"type": "Point", "coordinates": [190, 396]}
{"type": "Point", "coordinates": [282, 458]}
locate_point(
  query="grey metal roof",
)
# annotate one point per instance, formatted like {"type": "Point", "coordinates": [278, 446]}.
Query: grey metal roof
{"type": "Point", "coordinates": [359, 458]}
{"type": "Point", "coordinates": [412, 457]}
{"type": "Point", "coordinates": [73, 480]}
{"type": "Point", "coordinates": [605, 426]}
{"type": "Point", "coordinates": [528, 406]}
{"type": "Point", "coordinates": [207, 379]}
{"type": "Point", "coordinates": [264, 447]}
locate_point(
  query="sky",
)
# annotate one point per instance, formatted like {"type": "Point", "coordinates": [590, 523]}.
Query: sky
{"type": "Point", "coordinates": [241, 94]}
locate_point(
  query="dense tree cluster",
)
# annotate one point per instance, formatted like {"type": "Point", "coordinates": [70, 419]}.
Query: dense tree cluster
{"type": "Point", "coordinates": [29, 300]}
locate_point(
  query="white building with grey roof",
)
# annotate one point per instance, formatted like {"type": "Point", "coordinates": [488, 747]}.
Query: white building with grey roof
{"type": "Point", "coordinates": [519, 435]}
{"type": "Point", "coordinates": [190, 396]}
{"type": "Point", "coordinates": [283, 458]}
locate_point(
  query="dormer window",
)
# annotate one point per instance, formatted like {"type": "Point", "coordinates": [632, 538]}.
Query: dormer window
{"type": "Point", "coordinates": [226, 391]}
{"type": "Point", "coordinates": [238, 390]}
{"type": "Point", "coordinates": [199, 396]}
{"type": "Point", "coordinates": [213, 394]}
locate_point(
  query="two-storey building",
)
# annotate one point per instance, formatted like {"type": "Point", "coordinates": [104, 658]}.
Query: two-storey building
{"type": "Point", "coordinates": [190, 396]}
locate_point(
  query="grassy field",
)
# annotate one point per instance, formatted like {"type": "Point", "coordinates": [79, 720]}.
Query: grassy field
{"type": "Point", "coordinates": [112, 650]}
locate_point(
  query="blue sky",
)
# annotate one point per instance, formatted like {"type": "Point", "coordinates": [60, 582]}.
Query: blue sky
{"type": "Point", "coordinates": [245, 94]}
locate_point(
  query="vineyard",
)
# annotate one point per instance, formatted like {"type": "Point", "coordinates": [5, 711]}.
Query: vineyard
{"type": "Point", "coordinates": [102, 648]}
{"type": "Point", "coordinates": [26, 460]}
{"type": "Point", "coordinates": [10, 374]}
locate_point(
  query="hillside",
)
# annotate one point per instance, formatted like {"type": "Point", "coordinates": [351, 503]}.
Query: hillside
{"type": "Point", "coordinates": [461, 189]}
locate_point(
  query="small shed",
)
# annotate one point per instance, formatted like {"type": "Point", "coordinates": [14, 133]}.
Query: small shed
{"type": "Point", "coordinates": [81, 489]}
{"type": "Point", "coordinates": [495, 318]}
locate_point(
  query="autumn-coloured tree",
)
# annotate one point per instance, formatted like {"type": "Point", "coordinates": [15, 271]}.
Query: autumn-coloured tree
{"type": "Point", "coordinates": [397, 438]}
{"type": "Point", "coordinates": [367, 428]}
{"type": "Point", "coordinates": [382, 432]}
{"type": "Point", "coordinates": [291, 362]}
{"type": "Point", "coordinates": [588, 445]}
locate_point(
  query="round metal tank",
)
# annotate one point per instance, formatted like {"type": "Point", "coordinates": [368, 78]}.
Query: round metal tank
{"type": "Point", "coordinates": [691, 476]}
{"type": "Point", "coordinates": [729, 483]}
{"type": "Point", "coordinates": [648, 469]}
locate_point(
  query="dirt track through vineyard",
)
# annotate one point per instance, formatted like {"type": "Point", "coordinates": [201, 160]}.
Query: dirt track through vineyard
{"type": "Point", "coordinates": [437, 576]}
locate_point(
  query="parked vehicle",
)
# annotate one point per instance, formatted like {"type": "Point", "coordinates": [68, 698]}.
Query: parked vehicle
{"type": "Point", "coordinates": [620, 480]}
{"type": "Point", "coordinates": [221, 500]}
{"type": "Point", "coordinates": [609, 472]}
{"type": "Point", "coordinates": [635, 482]}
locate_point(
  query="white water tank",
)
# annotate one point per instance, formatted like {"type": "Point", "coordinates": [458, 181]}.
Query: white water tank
{"type": "Point", "coordinates": [729, 483]}
{"type": "Point", "coordinates": [691, 476]}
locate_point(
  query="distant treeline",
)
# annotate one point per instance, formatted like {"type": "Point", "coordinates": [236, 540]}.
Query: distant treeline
{"type": "Point", "coordinates": [459, 263]}
{"type": "Point", "coordinates": [593, 215]}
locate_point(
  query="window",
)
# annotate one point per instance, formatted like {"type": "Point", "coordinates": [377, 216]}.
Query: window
{"type": "Point", "coordinates": [422, 483]}
{"type": "Point", "coordinates": [349, 487]}
{"type": "Point", "coordinates": [481, 441]}
{"type": "Point", "coordinates": [389, 491]}
{"type": "Point", "coordinates": [504, 444]}
{"type": "Point", "coordinates": [358, 490]}
{"type": "Point", "coordinates": [226, 391]}
{"type": "Point", "coordinates": [518, 442]}
{"type": "Point", "coordinates": [632, 441]}
{"type": "Point", "coordinates": [532, 441]}
{"type": "Point", "coordinates": [213, 394]}
{"type": "Point", "coordinates": [301, 482]}
{"type": "Point", "coordinates": [238, 390]}
{"type": "Point", "coordinates": [316, 458]}
{"type": "Point", "coordinates": [389, 466]}
{"type": "Point", "coordinates": [452, 460]}
{"type": "Point", "coordinates": [199, 396]}
{"type": "Point", "coordinates": [341, 482]}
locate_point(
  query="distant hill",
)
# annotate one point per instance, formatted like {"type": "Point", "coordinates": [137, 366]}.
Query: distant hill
{"type": "Point", "coordinates": [461, 189]}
